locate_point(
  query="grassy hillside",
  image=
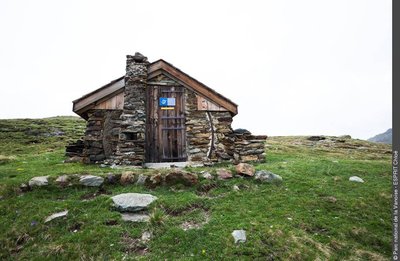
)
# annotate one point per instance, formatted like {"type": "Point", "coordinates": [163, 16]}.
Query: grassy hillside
{"type": "Point", "coordinates": [315, 214]}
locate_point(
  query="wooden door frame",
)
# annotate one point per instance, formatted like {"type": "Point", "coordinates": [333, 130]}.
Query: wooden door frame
{"type": "Point", "coordinates": [154, 125]}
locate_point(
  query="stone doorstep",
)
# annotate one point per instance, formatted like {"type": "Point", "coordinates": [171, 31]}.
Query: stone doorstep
{"type": "Point", "coordinates": [168, 165]}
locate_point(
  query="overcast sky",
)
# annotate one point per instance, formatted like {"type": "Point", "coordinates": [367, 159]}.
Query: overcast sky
{"type": "Point", "coordinates": [293, 67]}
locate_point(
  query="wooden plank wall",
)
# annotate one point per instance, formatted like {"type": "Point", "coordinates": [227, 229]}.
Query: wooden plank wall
{"type": "Point", "coordinates": [114, 103]}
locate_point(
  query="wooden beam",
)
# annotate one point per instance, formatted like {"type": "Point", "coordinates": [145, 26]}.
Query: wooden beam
{"type": "Point", "coordinates": [97, 95]}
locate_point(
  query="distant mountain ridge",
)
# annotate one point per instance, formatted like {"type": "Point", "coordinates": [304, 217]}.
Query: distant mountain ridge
{"type": "Point", "coordinates": [385, 137]}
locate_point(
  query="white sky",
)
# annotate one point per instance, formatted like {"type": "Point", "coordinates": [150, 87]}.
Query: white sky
{"type": "Point", "coordinates": [294, 67]}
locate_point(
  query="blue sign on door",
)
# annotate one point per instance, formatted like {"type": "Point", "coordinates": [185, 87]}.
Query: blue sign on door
{"type": "Point", "coordinates": [167, 102]}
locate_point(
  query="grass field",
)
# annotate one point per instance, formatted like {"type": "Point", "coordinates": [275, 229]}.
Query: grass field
{"type": "Point", "coordinates": [315, 214]}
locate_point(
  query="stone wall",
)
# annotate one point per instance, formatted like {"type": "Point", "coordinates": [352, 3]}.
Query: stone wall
{"type": "Point", "coordinates": [102, 135]}
{"type": "Point", "coordinates": [210, 137]}
{"type": "Point", "coordinates": [131, 145]}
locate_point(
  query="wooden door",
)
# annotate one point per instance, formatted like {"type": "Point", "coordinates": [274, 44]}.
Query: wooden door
{"type": "Point", "coordinates": [165, 133]}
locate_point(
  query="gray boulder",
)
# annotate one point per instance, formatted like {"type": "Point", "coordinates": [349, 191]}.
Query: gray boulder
{"type": "Point", "coordinates": [91, 181]}
{"type": "Point", "coordinates": [132, 202]}
{"type": "Point", "coordinates": [267, 176]}
{"type": "Point", "coordinates": [39, 181]}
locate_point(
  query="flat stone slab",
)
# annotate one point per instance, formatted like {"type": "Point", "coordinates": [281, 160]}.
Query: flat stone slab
{"type": "Point", "coordinates": [132, 202]}
{"type": "Point", "coordinates": [135, 217]}
{"type": "Point", "coordinates": [91, 181]}
{"type": "Point", "coordinates": [39, 181]}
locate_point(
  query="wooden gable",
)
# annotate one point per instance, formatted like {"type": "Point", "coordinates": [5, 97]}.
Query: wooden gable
{"type": "Point", "coordinates": [111, 96]}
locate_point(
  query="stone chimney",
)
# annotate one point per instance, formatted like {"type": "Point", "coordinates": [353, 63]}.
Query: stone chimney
{"type": "Point", "coordinates": [131, 146]}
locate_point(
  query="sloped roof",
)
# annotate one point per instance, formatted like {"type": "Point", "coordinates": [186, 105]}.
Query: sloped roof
{"type": "Point", "coordinates": [88, 101]}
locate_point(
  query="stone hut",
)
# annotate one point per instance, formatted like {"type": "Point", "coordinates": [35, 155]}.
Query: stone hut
{"type": "Point", "coordinates": [156, 113]}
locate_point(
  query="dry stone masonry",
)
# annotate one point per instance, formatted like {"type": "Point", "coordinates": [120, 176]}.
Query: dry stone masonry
{"type": "Point", "coordinates": [117, 120]}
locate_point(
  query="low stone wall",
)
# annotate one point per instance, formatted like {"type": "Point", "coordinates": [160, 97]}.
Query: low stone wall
{"type": "Point", "coordinates": [249, 147]}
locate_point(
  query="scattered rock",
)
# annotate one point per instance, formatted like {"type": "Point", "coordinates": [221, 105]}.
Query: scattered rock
{"type": "Point", "coordinates": [127, 177]}
{"type": "Point", "coordinates": [245, 169]}
{"type": "Point", "coordinates": [24, 188]}
{"type": "Point", "coordinates": [154, 181]}
{"type": "Point", "coordinates": [316, 138]}
{"type": "Point", "coordinates": [135, 217]}
{"type": "Point", "coordinates": [141, 179]}
{"type": "Point", "coordinates": [112, 178]}
{"type": "Point", "coordinates": [239, 236]}
{"type": "Point", "coordinates": [236, 188]}
{"type": "Point", "coordinates": [39, 181]}
{"type": "Point", "coordinates": [132, 202]}
{"type": "Point", "coordinates": [56, 215]}
{"type": "Point", "coordinates": [111, 222]}
{"type": "Point", "coordinates": [91, 181]}
{"type": "Point", "coordinates": [224, 174]}
{"type": "Point", "coordinates": [62, 180]}
{"type": "Point", "coordinates": [356, 179]}
{"type": "Point", "coordinates": [267, 176]}
{"type": "Point", "coordinates": [180, 177]}
{"type": "Point", "coordinates": [207, 175]}
{"type": "Point", "coordinates": [146, 236]}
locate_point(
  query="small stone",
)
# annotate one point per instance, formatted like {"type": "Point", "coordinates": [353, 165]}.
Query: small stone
{"type": "Point", "coordinates": [236, 188]}
{"type": "Point", "coordinates": [267, 176]}
{"type": "Point", "coordinates": [132, 202]}
{"type": "Point", "coordinates": [356, 179]}
{"type": "Point", "coordinates": [146, 236]}
{"type": "Point", "coordinates": [239, 236]}
{"type": "Point", "coordinates": [24, 188]}
{"type": "Point", "coordinates": [56, 215]}
{"type": "Point", "coordinates": [154, 181]}
{"type": "Point", "coordinates": [62, 180]}
{"type": "Point", "coordinates": [39, 181]}
{"type": "Point", "coordinates": [245, 169]}
{"type": "Point", "coordinates": [135, 217]}
{"type": "Point", "coordinates": [91, 181]}
{"type": "Point", "coordinates": [207, 175]}
{"type": "Point", "coordinates": [224, 174]}
{"type": "Point", "coordinates": [141, 179]}
{"type": "Point", "coordinates": [112, 178]}
{"type": "Point", "coordinates": [127, 177]}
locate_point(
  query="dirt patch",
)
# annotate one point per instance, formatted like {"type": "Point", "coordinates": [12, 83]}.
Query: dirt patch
{"type": "Point", "coordinates": [305, 241]}
{"type": "Point", "coordinates": [90, 195]}
{"type": "Point", "coordinates": [111, 222]}
{"type": "Point", "coordinates": [75, 227]}
{"type": "Point", "coordinates": [313, 229]}
{"type": "Point", "coordinates": [133, 245]}
{"type": "Point", "coordinates": [205, 188]}
{"type": "Point", "coordinates": [187, 225]}
{"type": "Point", "coordinates": [185, 210]}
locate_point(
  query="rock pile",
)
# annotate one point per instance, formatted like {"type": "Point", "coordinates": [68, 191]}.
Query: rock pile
{"type": "Point", "coordinates": [132, 205]}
